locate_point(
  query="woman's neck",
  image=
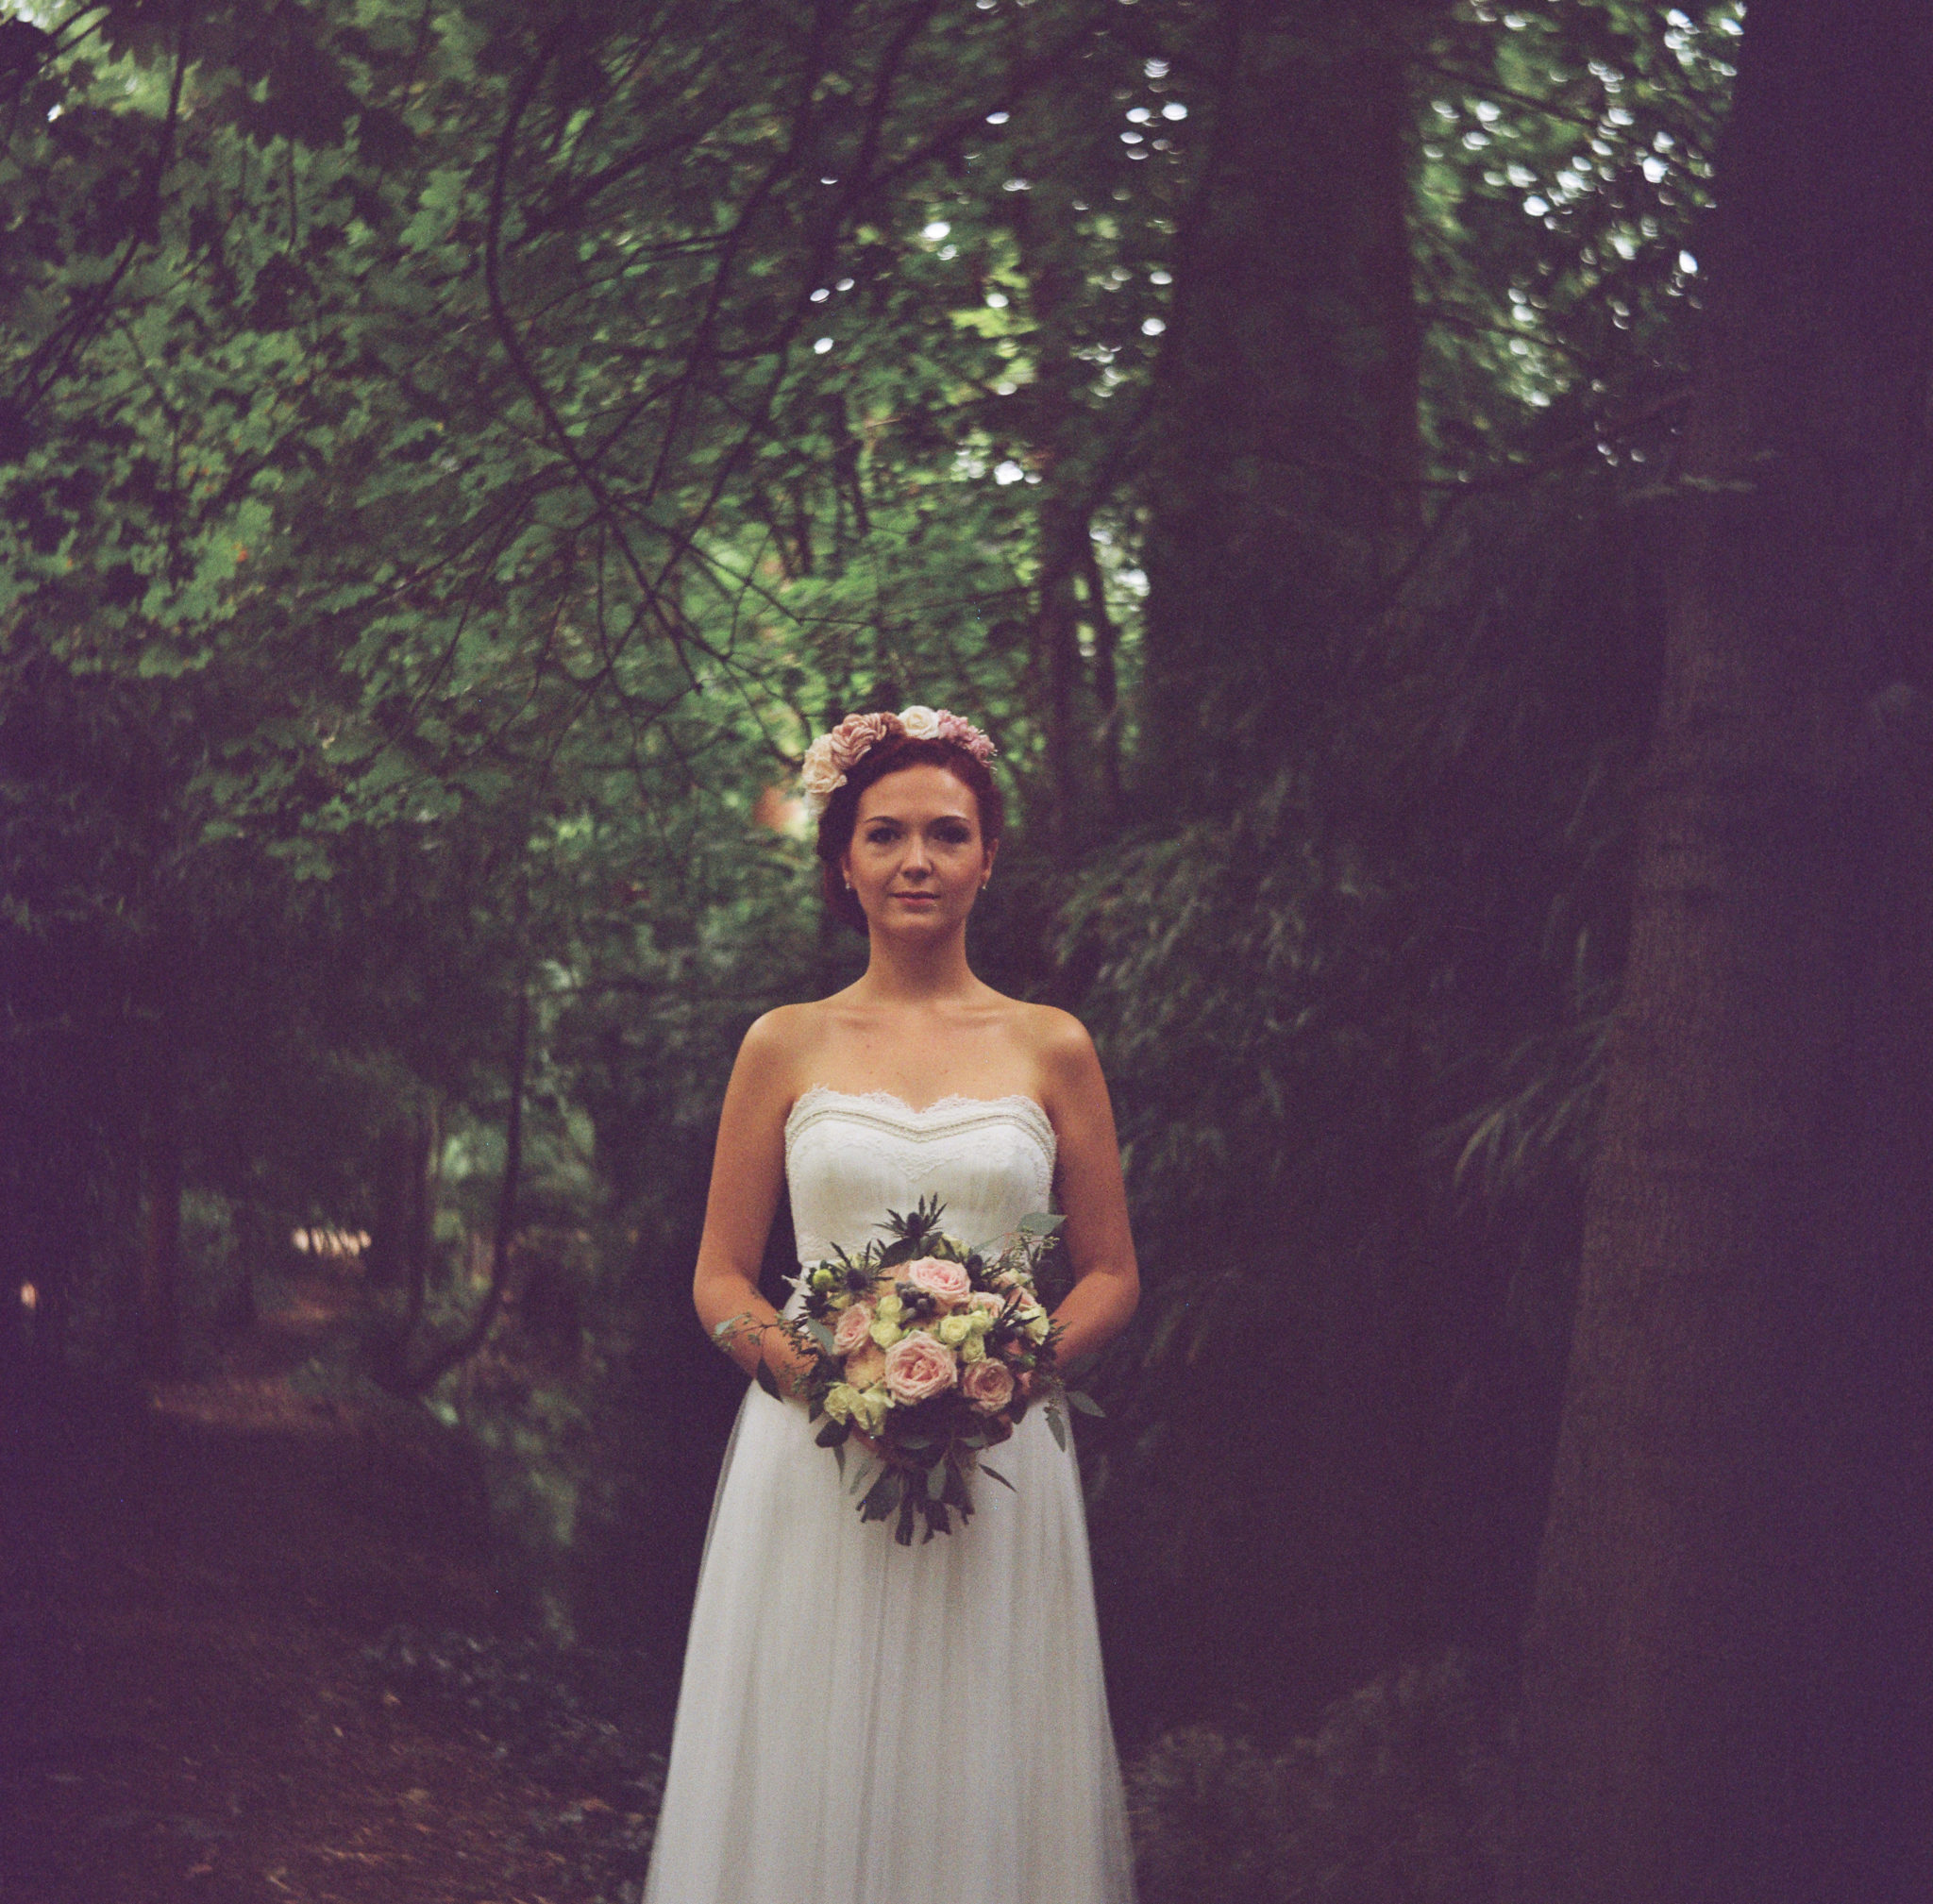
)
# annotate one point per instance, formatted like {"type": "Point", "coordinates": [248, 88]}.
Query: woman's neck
{"type": "Point", "coordinates": [897, 973]}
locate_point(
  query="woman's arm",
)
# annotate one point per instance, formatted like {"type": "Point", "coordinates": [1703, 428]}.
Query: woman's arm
{"type": "Point", "coordinates": [1107, 1284]}
{"type": "Point", "coordinates": [748, 1173]}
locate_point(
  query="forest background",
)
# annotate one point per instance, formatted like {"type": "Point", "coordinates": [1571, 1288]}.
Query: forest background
{"type": "Point", "coordinates": [457, 453]}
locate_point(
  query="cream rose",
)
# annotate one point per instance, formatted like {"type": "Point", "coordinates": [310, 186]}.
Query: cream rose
{"type": "Point", "coordinates": [885, 1333]}
{"type": "Point", "coordinates": [922, 723]}
{"type": "Point", "coordinates": [866, 1365]}
{"type": "Point", "coordinates": [839, 1400]}
{"type": "Point", "coordinates": [855, 1326]}
{"type": "Point", "coordinates": [988, 1386]}
{"type": "Point", "coordinates": [945, 1282]}
{"type": "Point", "coordinates": [953, 1330]}
{"type": "Point", "coordinates": [821, 774]}
{"type": "Point", "coordinates": [919, 1367]}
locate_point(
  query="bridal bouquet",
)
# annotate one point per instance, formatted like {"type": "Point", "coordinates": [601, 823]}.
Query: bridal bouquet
{"type": "Point", "coordinates": [932, 1350]}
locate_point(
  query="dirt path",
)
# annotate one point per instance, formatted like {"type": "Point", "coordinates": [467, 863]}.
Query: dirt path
{"type": "Point", "coordinates": [188, 1586]}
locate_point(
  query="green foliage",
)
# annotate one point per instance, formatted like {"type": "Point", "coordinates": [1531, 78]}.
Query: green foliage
{"type": "Point", "coordinates": [1394, 1799]}
{"type": "Point", "coordinates": [453, 458]}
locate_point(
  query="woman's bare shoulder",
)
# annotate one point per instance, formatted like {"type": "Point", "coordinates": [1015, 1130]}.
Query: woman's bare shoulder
{"type": "Point", "coordinates": [1058, 1044]}
{"type": "Point", "coordinates": [779, 1046]}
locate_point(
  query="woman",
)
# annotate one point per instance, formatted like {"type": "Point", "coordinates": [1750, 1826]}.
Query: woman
{"type": "Point", "coordinates": [862, 1723]}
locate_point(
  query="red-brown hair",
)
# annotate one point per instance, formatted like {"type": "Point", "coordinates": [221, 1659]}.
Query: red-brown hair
{"type": "Point", "coordinates": [888, 756]}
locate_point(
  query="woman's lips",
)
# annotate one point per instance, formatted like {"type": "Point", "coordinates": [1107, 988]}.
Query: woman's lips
{"type": "Point", "coordinates": [918, 898]}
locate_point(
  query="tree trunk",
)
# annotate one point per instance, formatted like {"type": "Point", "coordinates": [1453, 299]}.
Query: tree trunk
{"type": "Point", "coordinates": [502, 1243]}
{"type": "Point", "coordinates": [1282, 481]}
{"type": "Point", "coordinates": [160, 1232]}
{"type": "Point", "coordinates": [1725, 1694]}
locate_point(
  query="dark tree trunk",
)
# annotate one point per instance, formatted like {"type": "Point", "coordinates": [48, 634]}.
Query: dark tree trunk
{"type": "Point", "coordinates": [1727, 1685]}
{"type": "Point", "coordinates": [161, 1231]}
{"type": "Point", "coordinates": [1282, 480]}
{"type": "Point", "coordinates": [420, 1381]}
{"type": "Point", "coordinates": [1076, 702]}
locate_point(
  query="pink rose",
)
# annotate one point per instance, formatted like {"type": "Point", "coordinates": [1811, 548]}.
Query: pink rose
{"type": "Point", "coordinates": [859, 732]}
{"type": "Point", "coordinates": [988, 1384]}
{"type": "Point", "coordinates": [961, 733]}
{"type": "Point", "coordinates": [866, 1365]}
{"type": "Point", "coordinates": [986, 1299]}
{"type": "Point", "coordinates": [944, 1281]}
{"type": "Point", "coordinates": [918, 1366]}
{"type": "Point", "coordinates": [852, 1328]}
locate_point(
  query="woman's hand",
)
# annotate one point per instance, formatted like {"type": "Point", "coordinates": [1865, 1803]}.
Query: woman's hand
{"type": "Point", "coordinates": [787, 1366]}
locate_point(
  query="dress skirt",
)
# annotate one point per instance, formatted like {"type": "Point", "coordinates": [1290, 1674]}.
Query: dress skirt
{"type": "Point", "coordinates": [862, 1723]}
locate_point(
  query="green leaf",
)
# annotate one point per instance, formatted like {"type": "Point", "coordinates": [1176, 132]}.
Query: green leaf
{"type": "Point", "coordinates": [881, 1497]}
{"type": "Point", "coordinates": [1057, 1422]}
{"type": "Point", "coordinates": [936, 1480]}
{"type": "Point", "coordinates": [1079, 1398]}
{"type": "Point", "coordinates": [994, 1475]}
{"type": "Point", "coordinates": [1041, 1223]}
{"type": "Point", "coordinates": [768, 1381]}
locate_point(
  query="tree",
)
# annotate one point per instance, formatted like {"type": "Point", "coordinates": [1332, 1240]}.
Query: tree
{"type": "Point", "coordinates": [1724, 1696]}
{"type": "Point", "coordinates": [1282, 485]}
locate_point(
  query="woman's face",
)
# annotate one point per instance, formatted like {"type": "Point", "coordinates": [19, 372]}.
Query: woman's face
{"type": "Point", "coordinates": [918, 861]}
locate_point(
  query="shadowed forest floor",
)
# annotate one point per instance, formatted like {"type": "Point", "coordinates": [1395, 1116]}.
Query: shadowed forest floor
{"type": "Point", "coordinates": [193, 1700]}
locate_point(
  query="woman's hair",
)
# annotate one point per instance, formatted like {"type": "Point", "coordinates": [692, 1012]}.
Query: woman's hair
{"type": "Point", "coordinates": [888, 756]}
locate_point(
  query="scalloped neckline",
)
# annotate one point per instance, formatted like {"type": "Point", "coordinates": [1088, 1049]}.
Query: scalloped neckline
{"type": "Point", "coordinates": [953, 1101]}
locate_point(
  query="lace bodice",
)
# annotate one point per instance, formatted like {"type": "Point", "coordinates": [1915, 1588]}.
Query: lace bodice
{"type": "Point", "coordinates": [850, 1156]}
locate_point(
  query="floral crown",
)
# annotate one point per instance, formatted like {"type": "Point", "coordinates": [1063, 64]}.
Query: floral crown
{"type": "Point", "coordinates": [832, 756]}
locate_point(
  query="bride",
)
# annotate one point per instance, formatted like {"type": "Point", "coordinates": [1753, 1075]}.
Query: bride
{"type": "Point", "coordinates": [861, 1723]}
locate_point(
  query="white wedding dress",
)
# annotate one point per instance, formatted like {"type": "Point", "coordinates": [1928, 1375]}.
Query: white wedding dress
{"type": "Point", "coordinates": [862, 1723]}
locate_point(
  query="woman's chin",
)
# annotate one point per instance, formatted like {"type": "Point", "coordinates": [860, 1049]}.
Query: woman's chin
{"type": "Point", "coordinates": [918, 921]}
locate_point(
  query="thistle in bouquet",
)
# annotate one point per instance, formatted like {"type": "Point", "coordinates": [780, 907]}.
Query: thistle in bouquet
{"type": "Point", "coordinates": [926, 1352]}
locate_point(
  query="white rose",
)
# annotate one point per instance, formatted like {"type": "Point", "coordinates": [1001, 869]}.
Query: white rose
{"type": "Point", "coordinates": [839, 1400]}
{"type": "Point", "coordinates": [922, 723]}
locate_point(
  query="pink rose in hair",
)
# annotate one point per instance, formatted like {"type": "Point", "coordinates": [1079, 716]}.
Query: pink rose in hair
{"type": "Point", "coordinates": [988, 1384]}
{"type": "Point", "coordinates": [859, 732]}
{"type": "Point", "coordinates": [854, 1326]}
{"type": "Point", "coordinates": [919, 1367]}
{"type": "Point", "coordinates": [961, 733]}
{"type": "Point", "coordinates": [946, 1282]}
